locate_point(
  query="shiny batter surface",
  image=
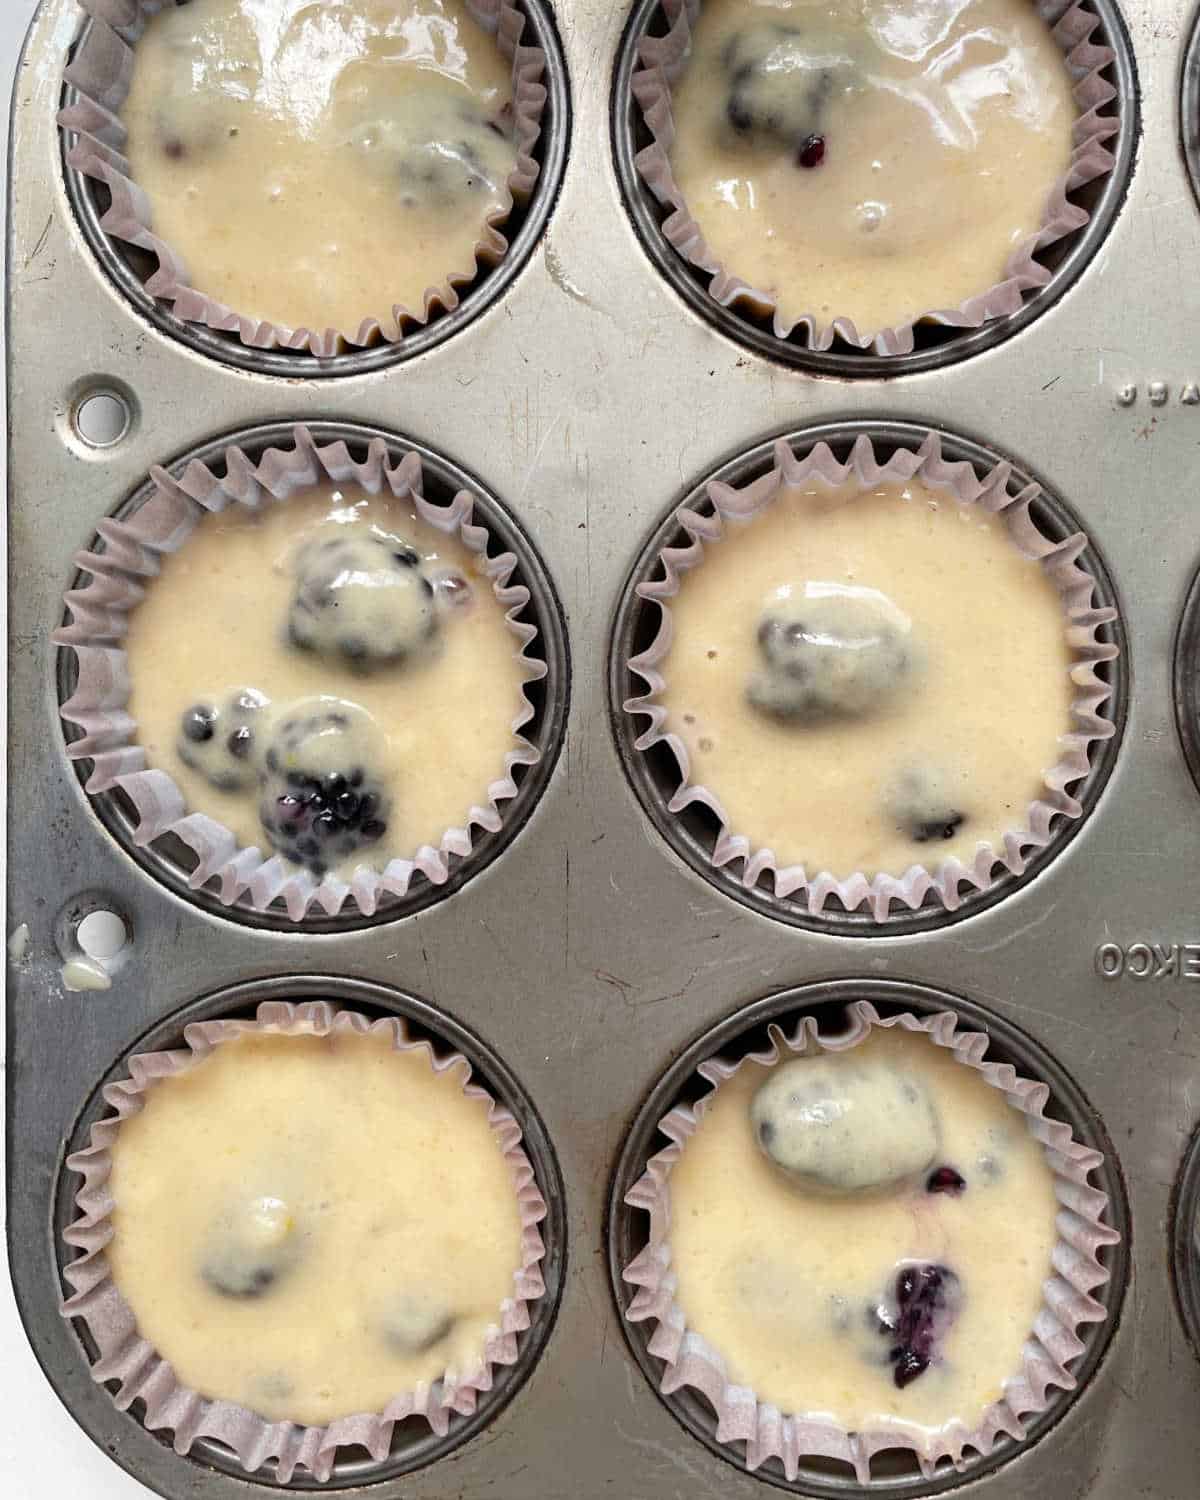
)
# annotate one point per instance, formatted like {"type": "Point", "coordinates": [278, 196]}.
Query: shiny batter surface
{"type": "Point", "coordinates": [432, 730]}
{"type": "Point", "coordinates": [311, 1226]}
{"type": "Point", "coordinates": [870, 159]}
{"type": "Point", "coordinates": [315, 164]}
{"type": "Point", "coordinates": [968, 726]}
{"type": "Point", "coordinates": [796, 1289]}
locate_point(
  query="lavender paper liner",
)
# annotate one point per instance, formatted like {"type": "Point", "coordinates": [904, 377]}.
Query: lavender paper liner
{"type": "Point", "coordinates": [100, 73]}
{"type": "Point", "coordinates": [132, 555]}
{"type": "Point", "coordinates": [144, 1375]}
{"type": "Point", "coordinates": [1084, 620]}
{"type": "Point", "coordinates": [663, 61]}
{"type": "Point", "coordinates": [1053, 1342]}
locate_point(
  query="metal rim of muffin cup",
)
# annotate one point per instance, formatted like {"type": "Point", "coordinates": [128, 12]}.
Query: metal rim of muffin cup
{"type": "Point", "coordinates": [899, 1475]}
{"type": "Point", "coordinates": [1189, 107]}
{"type": "Point", "coordinates": [522, 229]}
{"type": "Point", "coordinates": [414, 1445]}
{"type": "Point", "coordinates": [170, 862]}
{"type": "Point", "coordinates": [1185, 669]}
{"type": "Point", "coordinates": [936, 345]}
{"type": "Point", "coordinates": [1185, 1242]}
{"type": "Point", "coordinates": [654, 773]}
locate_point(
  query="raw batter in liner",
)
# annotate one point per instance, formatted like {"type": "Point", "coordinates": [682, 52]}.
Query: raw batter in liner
{"type": "Point", "coordinates": [215, 622]}
{"type": "Point", "coordinates": [785, 1282]}
{"type": "Point", "coordinates": [311, 1226]}
{"type": "Point", "coordinates": [976, 719]}
{"type": "Point", "coordinates": [315, 164]}
{"type": "Point", "coordinates": [863, 159]}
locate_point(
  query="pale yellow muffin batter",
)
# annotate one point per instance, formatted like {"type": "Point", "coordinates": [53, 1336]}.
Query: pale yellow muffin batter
{"type": "Point", "coordinates": [942, 129]}
{"type": "Point", "coordinates": [430, 726]}
{"type": "Point", "coordinates": [934, 693]}
{"type": "Point", "coordinates": [310, 1226]}
{"type": "Point", "coordinates": [316, 164]}
{"type": "Point", "coordinates": [798, 1289]}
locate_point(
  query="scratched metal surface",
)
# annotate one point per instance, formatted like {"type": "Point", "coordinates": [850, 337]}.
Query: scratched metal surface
{"type": "Point", "coordinates": [588, 955]}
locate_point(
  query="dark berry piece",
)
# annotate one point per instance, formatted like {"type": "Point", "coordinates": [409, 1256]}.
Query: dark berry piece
{"type": "Point", "coordinates": [740, 119]}
{"type": "Point", "coordinates": [908, 1366]}
{"type": "Point", "coordinates": [238, 1280]}
{"type": "Point", "coordinates": [938, 828]}
{"type": "Point", "coordinates": [199, 724]}
{"type": "Point", "coordinates": [307, 808]}
{"type": "Point", "coordinates": [926, 1300]}
{"type": "Point", "coordinates": [945, 1180]}
{"type": "Point", "coordinates": [921, 802]}
{"type": "Point", "coordinates": [325, 824]}
{"type": "Point", "coordinates": [812, 152]}
{"type": "Point", "coordinates": [218, 740]}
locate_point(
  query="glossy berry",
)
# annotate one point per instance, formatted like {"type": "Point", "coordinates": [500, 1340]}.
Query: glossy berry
{"type": "Point", "coordinates": [319, 803]}
{"type": "Point", "coordinates": [363, 600]}
{"type": "Point", "coordinates": [945, 1180]}
{"type": "Point", "coordinates": [926, 1299]}
{"type": "Point", "coordinates": [812, 151]}
{"type": "Point", "coordinates": [219, 739]}
{"type": "Point", "coordinates": [198, 724]}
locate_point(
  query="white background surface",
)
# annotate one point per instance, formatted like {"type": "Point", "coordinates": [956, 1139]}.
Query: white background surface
{"type": "Point", "coordinates": [43, 1454]}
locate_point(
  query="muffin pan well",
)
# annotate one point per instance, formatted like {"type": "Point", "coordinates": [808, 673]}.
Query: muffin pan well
{"type": "Point", "coordinates": [592, 953]}
{"type": "Point", "coordinates": [936, 344]}
{"type": "Point", "coordinates": [696, 832]}
{"type": "Point", "coordinates": [93, 633]}
{"type": "Point", "coordinates": [414, 1443]}
{"type": "Point", "coordinates": [895, 1471]}
{"type": "Point", "coordinates": [131, 266]}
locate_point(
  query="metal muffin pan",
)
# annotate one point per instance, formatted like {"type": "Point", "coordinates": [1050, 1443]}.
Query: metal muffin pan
{"type": "Point", "coordinates": [654, 773]}
{"type": "Point", "coordinates": [589, 954]}
{"type": "Point", "coordinates": [172, 861]}
{"type": "Point", "coordinates": [129, 267]}
{"type": "Point", "coordinates": [936, 345]}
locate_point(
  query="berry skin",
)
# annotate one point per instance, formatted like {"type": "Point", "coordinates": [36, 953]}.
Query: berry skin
{"type": "Point", "coordinates": [779, 85]}
{"type": "Point", "coordinates": [414, 1323]}
{"type": "Point", "coordinates": [812, 151]}
{"type": "Point", "coordinates": [221, 739]}
{"type": "Point", "coordinates": [322, 797]}
{"type": "Point", "coordinates": [924, 1304]}
{"type": "Point", "coordinates": [364, 600]}
{"type": "Point", "coordinates": [250, 1248]}
{"type": "Point", "coordinates": [833, 657]}
{"type": "Point", "coordinates": [198, 724]}
{"type": "Point", "coordinates": [921, 803]}
{"type": "Point", "coordinates": [945, 1180]}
